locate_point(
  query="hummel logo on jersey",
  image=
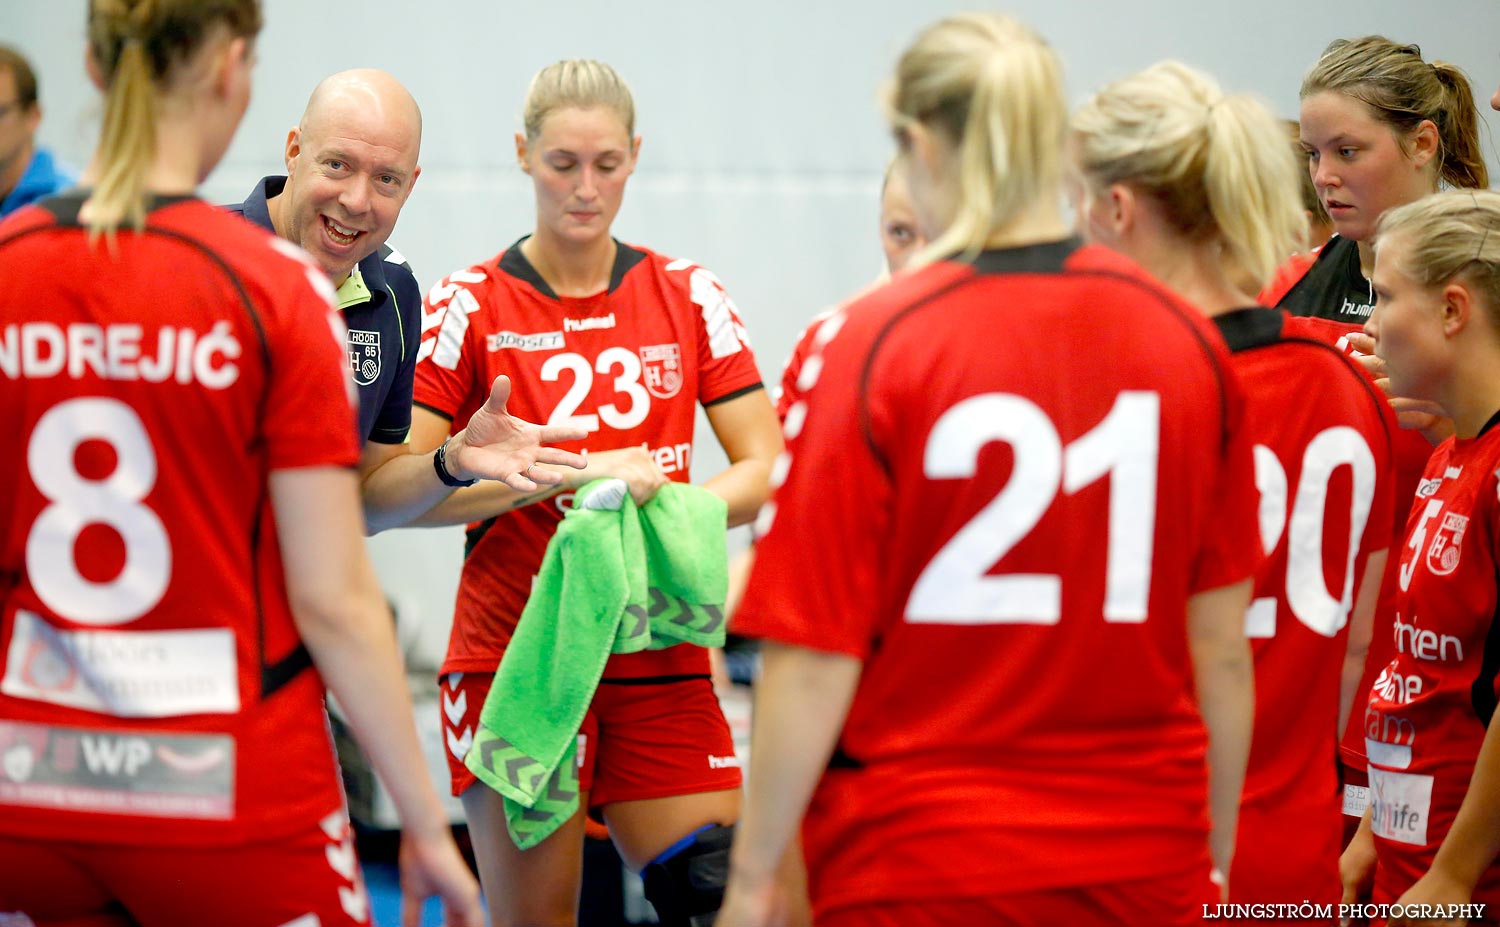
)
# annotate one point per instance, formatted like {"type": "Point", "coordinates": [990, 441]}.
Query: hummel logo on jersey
{"type": "Point", "coordinates": [545, 341]}
{"type": "Point", "coordinates": [589, 324]}
{"type": "Point", "coordinates": [723, 762]}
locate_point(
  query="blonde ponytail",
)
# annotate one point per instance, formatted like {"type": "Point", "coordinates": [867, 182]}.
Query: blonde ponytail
{"type": "Point", "coordinates": [127, 144]}
{"type": "Point", "coordinates": [994, 90]}
{"type": "Point", "coordinates": [137, 44]}
{"type": "Point", "coordinates": [1218, 167]}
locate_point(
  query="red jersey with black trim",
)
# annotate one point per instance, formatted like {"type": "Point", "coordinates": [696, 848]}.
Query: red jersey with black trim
{"type": "Point", "coordinates": [629, 364]}
{"type": "Point", "coordinates": [150, 691]}
{"type": "Point", "coordinates": [1040, 458]}
{"type": "Point", "coordinates": [1431, 704]}
{"type": "Point", "coordinates": [789, 393]}
{"type": "Point", "coordinates": [1324, 474]}
{"type": "Point", "coordinates": [1315, 315]}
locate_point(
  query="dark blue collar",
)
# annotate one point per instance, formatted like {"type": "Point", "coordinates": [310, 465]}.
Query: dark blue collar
{"type": "Point", "coordinates": [257, 209]}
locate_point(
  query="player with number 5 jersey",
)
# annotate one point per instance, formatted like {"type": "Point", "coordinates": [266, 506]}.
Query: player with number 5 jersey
{"type": "Point", "coordinates": [1003, 652]}
{"type": "Point", "coordinates": [1432, 831]}
{"type": "Point", "coordinates": [625, 344]}
{"type": "Point", "coordinates": [1196, 186]}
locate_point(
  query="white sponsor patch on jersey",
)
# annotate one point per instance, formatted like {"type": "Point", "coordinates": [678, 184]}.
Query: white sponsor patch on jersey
{"type": "Point", "coordinates": [1399, 805]}
{"type": "Point", "coordinates": [1356, 800]}
{"type": "Point", "coordinates": [128, 674]}
{"type": "Point", "coordinates": [544, 341]}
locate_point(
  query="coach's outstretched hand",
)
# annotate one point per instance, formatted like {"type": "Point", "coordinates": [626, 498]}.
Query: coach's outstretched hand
{"type": "Point", "coordinates": [496, 445]}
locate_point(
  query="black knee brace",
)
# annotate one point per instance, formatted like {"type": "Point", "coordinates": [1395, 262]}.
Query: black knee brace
{"type": "Point", "coordinates": [687, 886]}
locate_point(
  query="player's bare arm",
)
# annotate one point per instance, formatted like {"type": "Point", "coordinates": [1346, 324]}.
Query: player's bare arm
{"type": "Point", "coordinates": [400, 482]}
{"type": "Point", "coordinates": [747, 429]}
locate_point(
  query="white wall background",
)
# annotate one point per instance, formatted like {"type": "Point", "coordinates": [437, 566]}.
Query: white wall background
{"type": "Point", "coordinates": [763, 141]}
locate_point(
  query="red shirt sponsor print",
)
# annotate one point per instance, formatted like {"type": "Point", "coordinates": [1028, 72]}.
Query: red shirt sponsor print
{"type": "Point", "coordinates": [1009, 547]}
{"type": "Point", "coordinates": [1429, 705]}
{"type": "Point", "coordinates": [629, 365]}
{"type": "Point", "coordinates": [149, 595]}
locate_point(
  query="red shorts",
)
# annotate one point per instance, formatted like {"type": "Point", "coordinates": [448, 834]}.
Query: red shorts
{"type": "Point", "coordinates": [1166, 902]}
{"type": "Point", "coordinates": [640, 739]}
{"type": "Point", "coordinates": [311, 878]}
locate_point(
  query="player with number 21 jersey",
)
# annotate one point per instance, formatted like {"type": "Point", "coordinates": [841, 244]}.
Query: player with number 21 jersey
{"type": "Point", "coordinates": [1005, 523]}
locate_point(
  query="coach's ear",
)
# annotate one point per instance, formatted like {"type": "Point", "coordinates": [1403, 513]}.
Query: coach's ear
{"type": "Point", "coordinates": [92, 66]}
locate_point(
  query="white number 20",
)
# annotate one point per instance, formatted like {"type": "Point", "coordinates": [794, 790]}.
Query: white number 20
{"type": "Point", "coordinates": [76, 502]}
{"type": "Point", "coordinates": [954, 587]}
{"type": "Point", "coordinates": [1306, 589]}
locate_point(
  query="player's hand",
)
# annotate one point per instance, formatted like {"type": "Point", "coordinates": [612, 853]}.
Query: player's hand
{"type": "Point", "coordinates": [1426, 417]}
{"type": "Point", "coordinates": [1357, 869]}
{"type": "Point", "coordinates": [631, 464]}
{"type": "Point", "coordinates": [433, 866]}
{"type": "Point", "coordinates": [1434, 888]}
{"type": "Point", "coordinates": [498, 446]}
{"type": "Point", "coordinates": [1411, 414]}
{"type": "Point", "coordinates": [745, 906]}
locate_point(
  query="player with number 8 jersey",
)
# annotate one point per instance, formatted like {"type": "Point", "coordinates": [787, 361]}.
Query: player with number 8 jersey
{"type": "Point", "coordinates": [128, 418]}
{"type": "Point", "coordinates": [182, 566]}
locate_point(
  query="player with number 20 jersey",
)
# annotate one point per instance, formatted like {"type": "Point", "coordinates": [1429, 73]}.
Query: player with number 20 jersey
{"type": "Point", "coordinates": [1007, 535]}
{"type": "Point", "coordinates": [1324, 473]}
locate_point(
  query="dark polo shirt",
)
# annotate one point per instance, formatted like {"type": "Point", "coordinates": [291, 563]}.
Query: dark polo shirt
{"type": "Point", "coordinates": [382, 307]}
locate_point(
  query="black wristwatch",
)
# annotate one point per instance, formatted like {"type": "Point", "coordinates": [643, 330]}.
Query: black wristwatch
{"type": "Point", "coordinates": [440, 464]}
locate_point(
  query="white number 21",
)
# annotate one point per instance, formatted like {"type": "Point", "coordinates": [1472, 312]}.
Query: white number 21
{"type": "Point", "coordinates": [954, 587]}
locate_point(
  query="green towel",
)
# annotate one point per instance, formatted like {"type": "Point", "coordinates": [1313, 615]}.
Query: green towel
{"type": "Point", "coordinates": [615, 579]}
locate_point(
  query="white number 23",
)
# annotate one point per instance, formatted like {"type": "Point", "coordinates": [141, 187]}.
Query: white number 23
{"type": "Point", "coordinates": [628, 382]}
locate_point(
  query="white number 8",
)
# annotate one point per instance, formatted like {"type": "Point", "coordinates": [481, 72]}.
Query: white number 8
{"type": "Point", "coordinates": [77, 502]}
